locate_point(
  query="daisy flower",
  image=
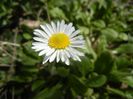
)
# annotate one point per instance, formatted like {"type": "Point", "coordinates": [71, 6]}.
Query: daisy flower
{"type": "Point", "coordinates": [59, 42]}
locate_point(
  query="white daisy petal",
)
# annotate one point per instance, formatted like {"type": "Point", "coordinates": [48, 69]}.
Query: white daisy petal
{"type": "Point", "coordinates": [62, 26]}
{"type": "Point", "coordinates": [39, 47]}
{"type": "Point", "coordinates": [71, 30]}
{"type": "Point", "coordinates": [36, 48]}
{"type": "Point", "coordinates": [40, 33]}
{"type": "Point", "coordinates": [53, 56]}
{"type": "Point", "coordinates": [77, 38]}
{"type": "Point", "coordinates": [39, 44]}
{"type": "Point", "coordinates": [67, 28]}
{"type": "Point", "coordinates": [49, 28]}
{"type": "Point", "coordinates": [50, 51]}
{"type": "Point", "coordinates": [67, 53]}
{"type": "Point", "coordinates": [73, 54]}
{"type": "Point", "coordinates": [46, 30]}
{"type": "Point", "coordinates": [67, 62]}
{"type": "Point", "coordinates": [78, 42]}
{"type": "Point", "coordinates": [53, 26]}
{"type": "Point", "coordinates": [62, 56]}
{"type": "Point", "coordinates": [66, 58]}
{"type": "Point", "coordinates": [59, 42]}
{"type": "Point", "coordinates": [70, 53]}
{"type": "Point", "coordinates": [42, 53]}
{"type": "Point", "coordinates": [58, 27]}
{"type": "Point", "coordinates": [46, 58]}
{"type": "Point", "coordinates": [40, 39]}
{"type": "Point", "coordinates": [77, 58]}
{"type": "Point", "coordinates": [58, 56]}
{"type": "Point", "coordinates": [77, 52]}
{"type": "Point", "coordinates": [74, 33]}
{"type": "Point", "coordinates": [77, 46]}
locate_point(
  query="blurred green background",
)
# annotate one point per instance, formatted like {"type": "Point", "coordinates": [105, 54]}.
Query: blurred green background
{"type": "Point", "coordinates": [106, 71]}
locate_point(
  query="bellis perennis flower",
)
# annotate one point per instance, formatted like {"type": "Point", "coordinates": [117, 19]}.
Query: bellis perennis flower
{"type": "Point", "coordinates": [58, 41]}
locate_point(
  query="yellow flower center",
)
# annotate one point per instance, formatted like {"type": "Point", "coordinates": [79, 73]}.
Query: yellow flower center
{"type": "Point", "coordinates": [59, 41]}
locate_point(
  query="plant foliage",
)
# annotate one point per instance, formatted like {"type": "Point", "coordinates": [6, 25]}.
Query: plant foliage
{"type": "Point", "coordinates": [106, 70]}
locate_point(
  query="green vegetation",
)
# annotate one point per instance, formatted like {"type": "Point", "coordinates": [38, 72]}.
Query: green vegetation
{"type": "Point", "coordinates": [106, 71]}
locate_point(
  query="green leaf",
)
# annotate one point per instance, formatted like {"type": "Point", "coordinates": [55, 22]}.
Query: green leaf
{"type": "Point", "coordinates": [78, 86]}
{"type": "Point", "coordinates": [97, 81]}
{"type": "Point", "coordinates": [116, 91]}
{"type": "Point", "coordinates": [84, 29]}
{"type": "Point", "coordinates": [57, 13]}
{"type": "Point", "coordinates": [62, 71]}
{"type": "Point", "coordinates": [104, 63]}
{"type": "Point", "coordinates": [129, 80]}
{"type": "Point", "coordinates": [27, 55]}
{"type": "Point", "coordinates": [123, 36]}
{"type": "Point", "coordinates": [85, 66]}
{"type": "Point", "coordinates": [99, 24]}
{"type": "Point", "coordinates": [50, 93]}
{"type": "Point", "coordinates": [130, 39]}
{"type": "Point", "coordinates": [30, 69]}
{"type": "Point", "coordinates": [125, 48]}
{"type": "Point", "coordinates": [102, 44]}
{"type": "Point", "coordinates": [110, 33]}
{"type": "Point", "coordinates": [118, 76]}
{"type": "Point", "coordinates": [129, 94]}
{"type": "Point", "coordinates": [123, 62]}
{"type": "Point", "coordinates": [27, 36]}
{"type": "Point", "coordinates": [37, 84]}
